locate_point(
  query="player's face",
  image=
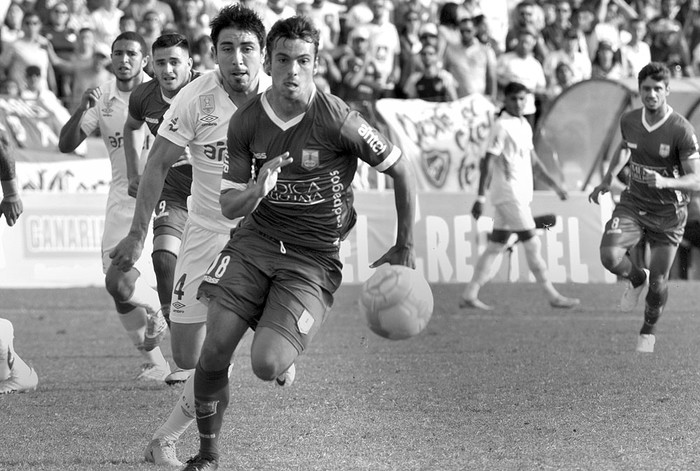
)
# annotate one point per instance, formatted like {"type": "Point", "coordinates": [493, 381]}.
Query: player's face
{"type": "Point", "coordinates": [653, 94]}
{"type": "Point", "coordinates": [239, 57]}
{"type": "Point", "coordinates": [292, 64]}
{"type": "Point", "coordinates": [515, 103]}
{"type": "Point", "coordinates": [171, 67]}
{"type": "Point", "coordinates": [128, 59]}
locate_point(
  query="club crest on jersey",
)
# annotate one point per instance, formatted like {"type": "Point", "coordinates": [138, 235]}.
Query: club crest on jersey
{"type": "Point", "coordinates": [309, 159]}
{"type": "Point", "coordinates": [664, 150]}
{"type": "Point", "coordinates": [107, 110]}
{"type": "Point", "coordinates": [207, 105]}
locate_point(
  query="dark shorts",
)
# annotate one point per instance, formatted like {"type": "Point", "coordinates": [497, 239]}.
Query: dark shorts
{"type": "Point", "coordinates": [628, 225]}
{"type": "Point", "coordinates": [169, 219]}
{"type": "Point", "coordinates": [286, 288]}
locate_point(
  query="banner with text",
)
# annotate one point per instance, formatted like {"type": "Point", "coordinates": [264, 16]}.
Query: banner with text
{"type": "Point", "coordinates": [444, 140]}
{"type": "Point", "coordinates": [56, 242]}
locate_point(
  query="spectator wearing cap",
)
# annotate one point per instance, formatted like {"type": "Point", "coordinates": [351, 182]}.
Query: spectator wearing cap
{"type": "Point", "coordinates": [433, 83]}
{"type": "Point", "coordinates": [360, 86]}
{"type": "Point", "coordinates": [606, 63]}
{"type": "Point", "coordinates": [636, 53]}
{"type": "Point", "coordinates": [578, 61]}
{"type": "Point", "coordinates": [410, 47]}
{"type": "Point", "coordinates": [471, 63]}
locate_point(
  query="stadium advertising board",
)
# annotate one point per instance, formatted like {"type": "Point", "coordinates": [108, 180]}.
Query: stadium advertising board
{"type": "Point", "coordinates": [56, 242]}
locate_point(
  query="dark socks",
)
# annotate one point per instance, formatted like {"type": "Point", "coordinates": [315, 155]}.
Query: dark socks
{"type": "Point", "coordinates": [211, 397]}
{"type": "Point", "coordinates": [655, 302]}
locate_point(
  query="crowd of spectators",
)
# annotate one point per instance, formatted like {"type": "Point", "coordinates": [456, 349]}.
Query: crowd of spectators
{"type": "Point", "coordinates": [370, 49]}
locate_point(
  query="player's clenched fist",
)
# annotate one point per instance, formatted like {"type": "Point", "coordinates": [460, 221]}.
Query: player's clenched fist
{"type": "Point", "coordinates": [267, 177]}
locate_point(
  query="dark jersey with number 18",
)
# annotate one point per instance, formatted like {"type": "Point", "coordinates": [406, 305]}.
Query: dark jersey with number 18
{"type": "Point", "coordinates": [148, 104]}
{"type": "Point", "coordinates": [312, 203]}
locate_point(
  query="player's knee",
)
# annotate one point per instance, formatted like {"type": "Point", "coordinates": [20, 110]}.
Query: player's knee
{"type": "Point", "coordinates": [610, 259]}
{"type": "Point", "coordinates": [185, 359]}
{"type": "Point", "coordinates": [267, 367]}
{"type": "Point", "coordinates": [120, 285]}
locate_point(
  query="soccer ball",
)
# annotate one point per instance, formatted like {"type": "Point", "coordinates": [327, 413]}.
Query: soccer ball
{"type": "Point", "coordinates": [397, 302]}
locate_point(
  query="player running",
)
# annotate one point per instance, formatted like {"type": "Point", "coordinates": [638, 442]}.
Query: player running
{"type": "Point", "coordinates": [293, 152]}
{"type": "Point", "coordinates": [105, 108]}
{"type": "Point", "coordinates": [172, 67]}
{"type": "Point", "coordinates": [662, 150]}
{"type": "Point", "coordinates": [198, 118]}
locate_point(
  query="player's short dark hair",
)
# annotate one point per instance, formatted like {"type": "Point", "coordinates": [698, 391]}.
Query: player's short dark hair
{"type": "Point", "coordinates": [239, 17]}
{"type": "Point", "coordinates": [514, 87]}
{"type": "Point", "coordinates": [132, 36]}
{"type": "Point", "coordinates": [656, 70]}
{"type": "Point", "coordinates": [295, 27]}
{"type": "Point", "coordinates": [167, 40]}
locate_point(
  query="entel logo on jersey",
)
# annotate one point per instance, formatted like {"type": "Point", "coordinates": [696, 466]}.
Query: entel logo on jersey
{"type": "Point", "coordinates": [664, 150]}
{"type": "Point", "coordinates": [309, 159]}
{"type": "Point", "coordinates": [372, 139]}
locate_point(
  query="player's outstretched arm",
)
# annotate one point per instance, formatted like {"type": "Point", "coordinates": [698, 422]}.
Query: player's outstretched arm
{"type": "Point", "coordinates": [163, 155]}
{"type": "Point", "coordinates": [545, 176]}
{"type": "Point", "coordinates": [71, 135]}
{"type": "Point", "coordinates": [618, 161]}
{"type": "Point", "coordinates": [11, 204]}
{"type": "Point", "coordinates": [132, 147]}
{"type": "Point", "coordinates": [238, 203]}
{"type": "Point", "coordinates": [402, 253]}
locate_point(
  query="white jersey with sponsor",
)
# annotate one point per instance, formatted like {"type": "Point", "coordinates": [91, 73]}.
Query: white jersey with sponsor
{"type": "Point", "coordinates": [109, 115]}
{"type": "Point", "coordinates": [511, 141]}
{"type": "Point", "coordinates": [199, 118]}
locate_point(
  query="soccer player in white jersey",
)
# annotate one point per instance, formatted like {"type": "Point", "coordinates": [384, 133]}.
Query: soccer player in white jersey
{"type": "Point", "coordinates": [198, 118]}
{"type": "Point", "coordinates": [15, 375]}
{"type": "Point", "coordinates": [508, 165]}
{"type": "Point", "coordinates": [105, 108]}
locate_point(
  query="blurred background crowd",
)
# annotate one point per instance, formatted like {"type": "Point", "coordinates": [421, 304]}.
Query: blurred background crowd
{"type": "Point", "coordinates": [53, 50]}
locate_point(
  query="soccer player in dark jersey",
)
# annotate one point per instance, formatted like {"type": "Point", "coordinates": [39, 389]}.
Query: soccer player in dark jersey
{"type": "Point", "coordinates": [662, 150]}
{"type": "Point", "coordinates": [292, 155]}
{"type": "Point", "coordinates": [172, 67]}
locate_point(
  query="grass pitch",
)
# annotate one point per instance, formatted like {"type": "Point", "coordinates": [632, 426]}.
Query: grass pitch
{"type": "Point", "coordinates": [525, 387]}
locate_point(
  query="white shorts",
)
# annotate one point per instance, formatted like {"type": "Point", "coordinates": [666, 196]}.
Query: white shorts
{"type": "Point", "coordinates": [198, 250]}
{"type": "Point", "coordinates": [513, 216]}
{"type": "Point", "coordinates": [118, 216]}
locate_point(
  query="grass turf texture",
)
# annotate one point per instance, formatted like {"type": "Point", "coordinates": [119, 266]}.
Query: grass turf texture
{"type": "Point", "coordinates": [524, 387]}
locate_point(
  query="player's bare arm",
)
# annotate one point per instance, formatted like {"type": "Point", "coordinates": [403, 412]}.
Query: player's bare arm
{"type": "Point", "coordinates": [162, 156]}
{"type": "Point", "coordinates": [544, 175]}
{"type": "Point", "coordinates": [484, 178]}
{"type": "Point", "coordinates": [132, 148]}
{"type": "Point", "coordinates": [618, 161]}
{"type": "Point", "coordinates": [71, 134]}
{"type": "Point", "coordinates": [402, 253]}
{"type": "Point", "coordinates": [238, 203]}
{"type": "Point", "coordinates": [11, 204]}
{"type": "Point", "coordinates": [690, 181]}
